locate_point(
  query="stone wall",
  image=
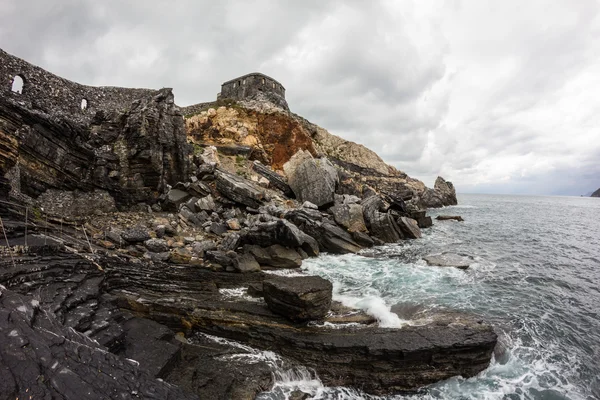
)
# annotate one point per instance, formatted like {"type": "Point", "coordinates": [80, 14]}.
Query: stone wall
{"type": "Point", "coordinates": [53, 94]}
{"type": "Point", "coordinates": [253, 86]}
{"type": "Point", "coordinates": [197, 108]}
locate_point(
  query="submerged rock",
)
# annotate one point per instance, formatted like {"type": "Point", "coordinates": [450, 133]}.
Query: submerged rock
{"type": "Point", "coordinates": [449, 217]}
{"type": "Point", "coordinates": [302, 298]}
{"type": "Point", "coordinates": [449, 260]}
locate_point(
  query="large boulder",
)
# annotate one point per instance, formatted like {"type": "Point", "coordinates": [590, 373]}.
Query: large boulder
{"type": "Point", "coordinates": [281, 232]}
{"type": "Point", "coordinates": [329, 236]}
{"type": "Point", "coordinates": [240, 190]}
{"type": "Point", "coordinates": [442, 194]}
{"type": "Point", "coordinates": [312, 180]}
{"type": "Point", "coordinates": [409, 227]}
{"type": "Point", "coordinates": [380, 222]}
{"type": "Point", "coordinates": [302, 298]}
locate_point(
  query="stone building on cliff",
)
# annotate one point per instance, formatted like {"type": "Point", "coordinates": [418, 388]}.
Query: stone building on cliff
{"type": "Point", "coordinates": [254, 86]}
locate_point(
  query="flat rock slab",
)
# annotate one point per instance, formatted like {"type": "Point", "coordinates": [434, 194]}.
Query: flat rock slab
{"type": "Point", "coordinates": [449, 260]}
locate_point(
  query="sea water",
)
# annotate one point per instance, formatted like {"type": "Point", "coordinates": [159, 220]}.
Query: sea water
{"type": "Point", "coordinates": [535, 277]}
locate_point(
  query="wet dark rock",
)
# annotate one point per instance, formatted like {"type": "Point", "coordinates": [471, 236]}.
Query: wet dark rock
{"type": "Point", "coordinates": [42, 358]}
{"type": "Point", "coordinates": [449, 217]}
{"type": "Point", "coordinates": [218, 371]}
{"type": "Point", "coordinates": [422, 219]}
{"type": "Point", "coordinates": [299, 395]}
{"type": "Point", "coordinates": [137, 234]}
{"type": "Point", "coordinates": [362, 239]}
{"type": "Point", "coordinates": [409, 228]}
{"type": "Point", "coordinates": [255, 290]}
{"type": "Point", "coordinates": [302, 298]}
{"type": "Point", "coordinates": [239, 189]}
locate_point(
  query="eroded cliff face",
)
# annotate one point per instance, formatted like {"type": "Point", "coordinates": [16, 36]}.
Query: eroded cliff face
{"type": "Point", "coordinates": [132, 153]}
{"type": "Point", "coordinates": [272, 136]}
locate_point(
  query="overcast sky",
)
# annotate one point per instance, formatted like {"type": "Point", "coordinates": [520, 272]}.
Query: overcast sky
{"type": "Point", "coordinates": [497, 96]}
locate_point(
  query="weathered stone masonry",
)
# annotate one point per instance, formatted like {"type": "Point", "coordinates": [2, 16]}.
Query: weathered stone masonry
{"type": "Point", "coordinates": [51, 93]}
{"type": "Point", "coordinates": [254, 86]}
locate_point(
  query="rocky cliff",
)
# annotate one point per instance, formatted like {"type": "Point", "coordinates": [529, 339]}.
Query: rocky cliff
{"type": "Point", "coordinates": [129, 253]}
{"type": "Point", "coordinates": [271, 135]}
{"type": "Point", "coordinates": [596, 193]}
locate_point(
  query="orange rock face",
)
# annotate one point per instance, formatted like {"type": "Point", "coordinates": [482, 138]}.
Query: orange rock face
{"type": "Point", "coordinates": [273, 137]}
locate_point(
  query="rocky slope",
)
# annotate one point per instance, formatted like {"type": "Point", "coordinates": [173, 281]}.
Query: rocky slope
{"type": "Point", "coordinates": [596, 193]}
{"type": "Point", "coordinates": [128, 252]}
{"type": "Point", "coordinates": [272, 136]}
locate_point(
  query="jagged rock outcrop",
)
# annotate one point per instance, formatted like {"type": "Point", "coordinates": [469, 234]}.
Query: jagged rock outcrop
{"type": "Point", "coordinates": [131, 154]}
{"type": "Point", "coordinates": [273, 137]}
{"type": "Point", "coordinates": [443, 194]}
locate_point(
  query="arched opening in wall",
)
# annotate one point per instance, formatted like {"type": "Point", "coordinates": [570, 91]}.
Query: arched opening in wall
{"type": "Point", "coordinates": [263, 81]}
{"type": "Point", "coordinates": [17, 84]}
{"type": "Point", "coordinates": [239, 83]}
{"type": "Point", "coordinates": [273, 85]}
{"type": "Point", "coordinates": [84, 104]}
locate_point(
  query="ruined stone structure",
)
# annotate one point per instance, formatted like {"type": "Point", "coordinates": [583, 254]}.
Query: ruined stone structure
{"type": "Point", "coordinates": [50, 93]}
{"type": "Point", "coordinates": [58, 134]}
{"type": "Point", "coordinates": [254, 86]}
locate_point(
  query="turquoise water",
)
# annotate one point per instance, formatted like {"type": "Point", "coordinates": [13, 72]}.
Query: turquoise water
{"type": "Point", "coordinates": [535, 277]}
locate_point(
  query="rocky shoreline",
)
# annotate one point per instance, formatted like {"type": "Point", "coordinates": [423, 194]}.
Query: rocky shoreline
{"type": "Point", "coordinates": [126, 227]}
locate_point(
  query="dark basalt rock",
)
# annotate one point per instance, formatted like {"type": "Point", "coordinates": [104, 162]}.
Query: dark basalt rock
{"type": "Point", "coordinates": [449, 217]}
{"type": "Point", "coordinates": [303, 298]}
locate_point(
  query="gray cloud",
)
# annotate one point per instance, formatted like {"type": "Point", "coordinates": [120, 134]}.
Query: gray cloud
{"type": "Point", "coordinates": [495, 96]}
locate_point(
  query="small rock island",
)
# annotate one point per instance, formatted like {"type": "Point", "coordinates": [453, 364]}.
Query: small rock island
{"type": "Point", "coordinates": [135, 231]}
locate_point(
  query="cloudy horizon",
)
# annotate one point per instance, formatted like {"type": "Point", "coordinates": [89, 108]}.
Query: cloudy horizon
{"type": "Point", "coordinates": [498, 97]}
